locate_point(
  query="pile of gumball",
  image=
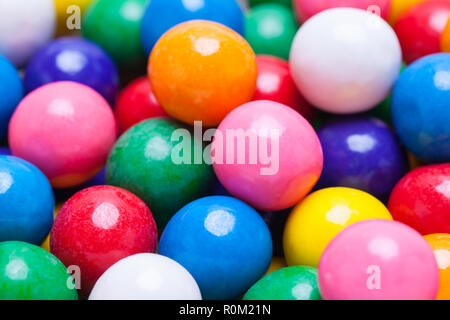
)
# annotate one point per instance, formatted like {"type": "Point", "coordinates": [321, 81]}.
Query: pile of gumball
{"type": "Point", "coordinates": [220, 149]}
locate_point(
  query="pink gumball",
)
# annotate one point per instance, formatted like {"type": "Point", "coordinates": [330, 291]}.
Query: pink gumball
{"type": "Point", "coordinates": [378, 260]}
{"type": "Point", "coordinates": [66, 129]}
{"type": "Point", "coordinates": [267, 154]}
{"type": "Point", "coordinates": [305, 9]}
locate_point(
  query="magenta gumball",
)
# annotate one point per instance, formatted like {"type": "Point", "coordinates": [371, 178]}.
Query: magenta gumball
{"type": "Point", "coordinates": [378, 260]}
{"type": "Point", "coordinates": [66, 129]}
{"type": "Point", "coordinates": [267, 154]}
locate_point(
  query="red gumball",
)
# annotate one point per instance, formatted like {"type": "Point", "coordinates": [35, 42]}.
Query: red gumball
{"type": "Point", "coordinates": [422, 199]}
{"type": "Point", "coordinates": [97, 227]}
{"type": "Point", "coordinates": [136, 103]}
{"type": "Point", "coordinates": [420, 29]}
{"type": "Point", "coordinates": [275, 83]}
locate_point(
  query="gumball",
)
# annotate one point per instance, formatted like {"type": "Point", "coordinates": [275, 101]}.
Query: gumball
{"type": "Point", "coordinates": [292, 283]}
{"type": "Point", "coordinates": [218, 72]}
{"type": "Point", "coordinates": [440, 242]}
{"type": "Point", "coordinates": [275, 83]}
{"type": "Point", "coordinates": [400, 7]}
{"type": "Point", "coordinates": [25, 26]}
{"type": "Point", "coordinates": [282, 170]}
{"type": "Point", "coordinates": [421, 199]}
{"type": "Point", "coordinates": [146, 276]}
{"type": "Point", "coordinates": [5, 151]}
{"type": "Point", "coordinates": [277, 263]}
{"type": "Point", "coordinates": [161, 15]}
{"type": "Point", "coordinates": [287, 3]}
{"type": "Point", "coordinates": [11, 91]}
{"type": "Point", "coordinates": [378, 260]}
{"type": "Point", "coordinates": [305, 9]}
{"type": "Point", "coordinates": [348, 70]}
{"type": "Point", "coordinates": [26, 201]}
{"type": "Point", "coordinates": [270, 29]}
{"type": "Point", "coordinates": [68, 14]}
{"type": "Point", "coordinates": [46, 244]}
{"type": "Point", "coordinates": [420, 110]}
{"type": "Point", "coordinates": [222, 242]}
{"type": "Point", "coordinates": [64, 128]}
{"type": "Point", "coordinates": [115, 26]}
{"type": "Point", "coordinates": [73, 59]}
{"type": "Point", "coordinates": [420, 29]}
{"type": "Point", "coordinates": [136, 103]}
{"type": "Point", "coordinates": [321, 216]}
{"type": "Point", "coordinates": [28, 272]}
{"type": "Point", "coordinates": [361, 153]}
{"type": "Point", "coordinates": [151, 161]}
{"type": "Point", "coordinates": [97, 227]}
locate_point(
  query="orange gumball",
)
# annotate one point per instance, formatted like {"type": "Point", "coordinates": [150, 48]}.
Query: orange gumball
{"type": "Point", "coordinates": [400, 7]}
{"type": "Point", "coordinates": [445, 38]}
{"type": "Point", "coordinates": [201, 70]}
{"type": "Point", "coordinates": [440, 242]}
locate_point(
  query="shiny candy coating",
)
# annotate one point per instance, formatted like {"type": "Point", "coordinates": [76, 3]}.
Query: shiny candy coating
{"type": "Point", "coordinates": [99, 226]}
{"type": "Point", "coordinates": [216, 59]}
{"type": "Point", "coordinates": [440, 242]}
{"type": "Point", "coordinates": [11, 91]}
{"type": "Point", "coordinates": [291, 283]}
{"type": "Point", "coordinates": [321, 216]}
{"type": "Point", "coordinates": [136, 102]}
{"type": "Point", "coordinates": [270, 29]}
{"type": "Point", "coordinates": [78, 134]}
{"type": "Point", "coordinates": [422, 199]}
{"type": "Point", "coordinates": [146, 276]}
{"type": "Point", "coordinates": [161, 15]}
{"type": "Point", "coordinates": [361, 153]}
{"type": "Point", "coordinates": [26, 201]}
{"type": "Point", "coordinates": [420, 29]}
{"type": "Point", "coordinates": [420, 110]}
{"type": "Point", "coordinates": [353, 67]}
{"type": "Point", "coordinates": [73, 59]}
{"type": "Point", "coordinates": [294, 162]}
{"type": "Point", "coordinates": [28, 272]}
{"type": "Point", "coordinates": [142, 161]}
{"type": "Point", "coordinates": [203, 237]}
{"type": "Point", "coordinates": [378, 260]}
{"type": "Point", "coordinates": [275, 83]}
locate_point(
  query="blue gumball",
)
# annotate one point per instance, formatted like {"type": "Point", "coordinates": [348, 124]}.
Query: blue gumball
{"type": "Point", "coordinates": [161, 15]}
{"type": "Point", "coordinates": [11, 92]}
{"type": "Point", "coordinates": [421, 108]}
{"type": "Point", "coordinates": [363, 153]}
{"type": "Point", "coordinates": [26, 201]}
{"type": "Point", "coordinates": [5, 151]}
{"type": "Point", "coordinates": [73, 59]}
{"type": "Point", "coordinates": [222, 242]}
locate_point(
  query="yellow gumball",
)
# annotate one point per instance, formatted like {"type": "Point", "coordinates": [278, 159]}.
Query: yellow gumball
{"type": "Point", "coordinates": [399, 7]}
{"type": "Point", "coordinates": [321, 216]}
{"type": "Point", "coordinates": [46, 244]}
{"type": "Point", "coordinates": [440, 242]}
{"type": "Point", "coordinates": [69, 11]}
{"type": "Point", "coordinates": [276, 264]}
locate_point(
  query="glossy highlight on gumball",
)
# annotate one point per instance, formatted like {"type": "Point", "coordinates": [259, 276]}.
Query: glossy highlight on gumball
{"type": "Point", "coordinates": [161, 15]}
{"type": "Point", "coordinates": [26, 201]}
{"type": "Point", "coordinates": [440, 242]}
{"type": "Point", "coordinates": [279, 162]}
{"type": "Point", "coordinates": [78, 134]}
{"type": "Point", "coordinates": [73, 59]}
{"type": "Point", "coordinates": [378, 260]}
{"type": "Point", "coordinates": [203, 237]}
{"type": "Point", "coordinates": [421, 199]}
{"type": "Point", "coordinates": [99, 226]}
{"type": "Point", "coordinates": [217, 59]}
{"type": "Point", "coordinates": [316, 220]}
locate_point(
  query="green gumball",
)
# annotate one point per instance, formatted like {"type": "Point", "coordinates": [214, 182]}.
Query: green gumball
{"type": "Point", "coordinates": [115, 26]}
{"type": "Point", "coordinates": [270, 29]}
{"type": "Point", "coordinates": [287, 3]}
{"type": "Point", "coordinates": [28, 272]}
{"type": "Point", "coordinates": [291, 283]}
{"type": "Point", "coordinates": [161, 162]}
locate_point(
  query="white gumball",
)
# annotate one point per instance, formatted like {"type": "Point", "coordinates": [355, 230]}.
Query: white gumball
{"type": "Point", "coordinates": [25, 26]}
{"type": "Point", "coordinates": [345, 60]}
{"type": "Point", "coordinates": [146, 276]}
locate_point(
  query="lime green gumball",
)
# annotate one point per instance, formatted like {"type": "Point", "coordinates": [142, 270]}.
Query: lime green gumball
{"type": "Point", "coordinates": [287, 3]}
{"type": "Point", "coordinates": [270, 29]}
{"type": "Point", "coordinates": [115, 26]}
{"type": "Point", "coordinates": [161, 162]}
{"type": "Point", "coordinates": [291, 283]}
{"type": "Point", "coordinates": [28, 272]}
